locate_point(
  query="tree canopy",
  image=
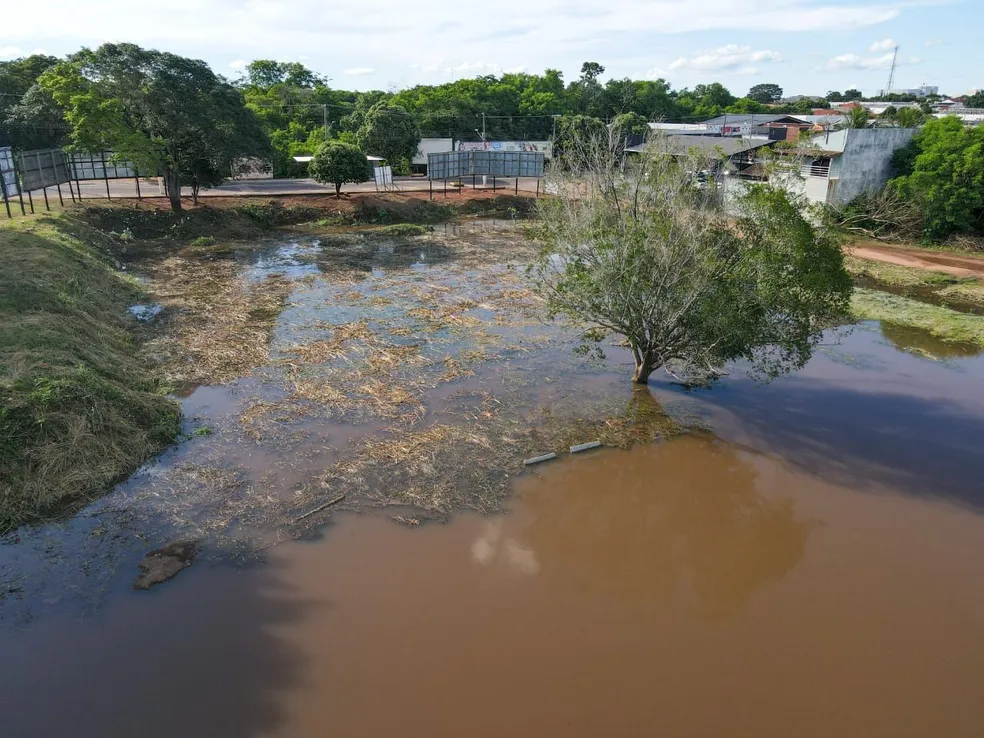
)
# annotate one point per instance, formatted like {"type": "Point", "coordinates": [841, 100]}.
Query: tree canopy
{"type": "Point", "coordinates": [976, 100]}
{"type": "Point", "coordinates": [164, 112]}
{"type": "Point", "coordinates": [766, 92]}
{"type": "Point", "coordinates": [389, 131]}
{"type": "Point", "coordinates": [28, 117]}
{"type": "Point", "coordinates": [942, 172]}
{"type": "Point", "coordinates": [337, 163]}
{"type": "Point", "coordinates": [651, 257]}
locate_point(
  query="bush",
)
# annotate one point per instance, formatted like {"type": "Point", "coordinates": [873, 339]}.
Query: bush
{"type": "Point", "coordinates": [337, 163]}
{"type": "Point", "coordinates": [405, 230]}
{"type": "Point", "coordinates": [203, 242]}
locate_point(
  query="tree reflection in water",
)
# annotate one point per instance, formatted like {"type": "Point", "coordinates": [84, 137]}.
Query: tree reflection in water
{"type": "Point", "coordinates": [688, 523]}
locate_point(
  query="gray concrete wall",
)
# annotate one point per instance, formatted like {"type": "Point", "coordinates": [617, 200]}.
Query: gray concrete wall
{"type": "Point", "coordinates": [867, 161]}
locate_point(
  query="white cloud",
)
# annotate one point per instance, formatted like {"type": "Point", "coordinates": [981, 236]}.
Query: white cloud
{"type": "Point", "coordinates": [886, 44]}
{"type": "Point", "coordinates": [359, 71]}
{"type": "Point", "coordinates": [726, 58]}
{"type": "Point", "coordinates": [10, 52]}
{"type": "Point", "coordinates": [237, 64]}
{"type": "Point", "coordinates": [535, 35]}
{"type": "Point", "coordinates": [854, 61]}
{"type": "Point", "coordinates": [934, 42]}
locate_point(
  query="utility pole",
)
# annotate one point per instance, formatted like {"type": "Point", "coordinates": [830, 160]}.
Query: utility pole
{"type": "Point", "coordinates": [483, 126]}
{"type": "Point", "coordinates": [324, 107]}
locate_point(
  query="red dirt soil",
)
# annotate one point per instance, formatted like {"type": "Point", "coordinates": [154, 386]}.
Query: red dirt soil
{"type": "Point", "coordinates": [958, 265]}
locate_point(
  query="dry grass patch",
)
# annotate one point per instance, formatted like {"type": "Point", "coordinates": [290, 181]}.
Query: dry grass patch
{"type": "Point", "coordinates": [219, 323]}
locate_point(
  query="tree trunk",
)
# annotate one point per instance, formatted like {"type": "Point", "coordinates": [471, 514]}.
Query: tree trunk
{"type": "Point", "coordinates": [173, 188]}
{"type": "Point", "coordinates": [644, 367]}
{"type": "Point", "coordinates": [194, 192]}
{"type": "Point", "coordinates": [338, 190]}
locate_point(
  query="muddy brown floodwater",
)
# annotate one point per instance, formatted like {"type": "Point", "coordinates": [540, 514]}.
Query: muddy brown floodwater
{"type": "Point", "coordinates": [799, 559]}
{"type": "Point", "coordinates": [683, 588]}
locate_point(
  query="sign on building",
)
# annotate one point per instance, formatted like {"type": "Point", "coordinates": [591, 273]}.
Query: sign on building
{"type": "Point", "coordinates": [542, 147]}
{"type": "Point", "coordinates": [431, 146]}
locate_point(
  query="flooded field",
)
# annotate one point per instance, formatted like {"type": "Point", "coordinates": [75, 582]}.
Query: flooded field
{"type": "Point", "coordinates": [804, 558]}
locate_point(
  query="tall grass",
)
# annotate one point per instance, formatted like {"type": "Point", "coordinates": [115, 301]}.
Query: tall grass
{"type": "Point", "coordinates": [78, 409]}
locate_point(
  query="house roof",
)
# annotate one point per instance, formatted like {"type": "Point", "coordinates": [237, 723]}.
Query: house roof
{"type": "Point", "coordinates": [755, 119]}
{"type": "Point", "coordinates": [680, 145]}
{"type": "Point", "coordinates": [829, 119]}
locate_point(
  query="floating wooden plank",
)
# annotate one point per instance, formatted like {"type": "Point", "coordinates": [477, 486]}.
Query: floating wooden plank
{"type": "Point", "coordinates": [585, 446]}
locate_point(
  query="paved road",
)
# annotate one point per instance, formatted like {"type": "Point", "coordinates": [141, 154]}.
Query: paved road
{"type": "Point", "coordinates": [127, 188]}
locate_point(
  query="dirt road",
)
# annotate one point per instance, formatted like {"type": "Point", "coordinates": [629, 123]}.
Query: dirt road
{"type": "Point", "coordinates": [959, 265]}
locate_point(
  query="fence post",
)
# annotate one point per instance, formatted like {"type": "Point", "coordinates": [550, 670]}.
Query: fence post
{"type": "Point", "coordinates": [54, 173]}
{"type": "Point", "coordinates": [20, 185]}
{"type": "Point", "coordinates": [445, 186]}
{"type": "Point", "coordinates": [30, 200]}
{"type": "Point", "coordinates": [538, 187]}
{"type": "Point", "coordinates": [44, 187]}
{"type": "Point", "coordinates": [102, 156]}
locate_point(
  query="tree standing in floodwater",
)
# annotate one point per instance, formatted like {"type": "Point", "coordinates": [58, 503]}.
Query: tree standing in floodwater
{"type": "Point", "coordinates": [647, 252]}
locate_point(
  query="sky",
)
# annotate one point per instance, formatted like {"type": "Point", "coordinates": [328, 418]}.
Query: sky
{"type": "Point", "coordinates": [806, 46]}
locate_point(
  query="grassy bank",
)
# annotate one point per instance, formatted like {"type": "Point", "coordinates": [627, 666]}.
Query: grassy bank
{"type": "Point", "coordinates": [234, 219]}
{"type": "Point", "coordinates": [938, 286]}
{"type": "Point", "coordinates": [78, 409]}
{"type": "Point", "coordinates": [943, 323]}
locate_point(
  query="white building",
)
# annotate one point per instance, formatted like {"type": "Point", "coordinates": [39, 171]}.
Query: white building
{"type": "Point", "coordinates": [841, 165]}
{"type": "Point", "coordinates": [835, 167]}
{"type": "Point", "coordinates": [429, 146]}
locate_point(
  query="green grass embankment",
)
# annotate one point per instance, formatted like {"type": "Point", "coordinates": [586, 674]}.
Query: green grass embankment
{"type": "Point", "coordinates": [78, 409]}
{"type": "Point", "coordinates": [941, 322]}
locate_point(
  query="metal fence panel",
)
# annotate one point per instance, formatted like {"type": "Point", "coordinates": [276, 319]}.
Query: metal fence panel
{"type": "Point", "coordinates": [100, 166]}
{"type": "Point", "coordinates": [7, 172]}
{"type": "Point", "coordinates": [43, 168]}
{"type": "Point", "coordinates": [458, 164]}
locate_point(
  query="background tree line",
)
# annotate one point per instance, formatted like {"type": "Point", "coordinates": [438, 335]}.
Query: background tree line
{"type": "Point", "coordinates": [298, 110]}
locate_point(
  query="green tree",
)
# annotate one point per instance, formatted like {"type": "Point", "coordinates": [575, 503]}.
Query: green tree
{"type": "Point", "coordinates": [35, 122]}
{"type": "Point", "coordinates": [28, 118]}
{"type": "Point", "coordinates": [976, 100]}
{"type": "Point", "coordinates": [853, 94]}
{"type": "Point", "coordinates": [746, 105]}
{"type": "Point", "coordinates": [943, 174]}
{"type": "Point", "coordinates": [858, 118]}
{"type": "Point", "coordinates": [835, 96]}
{"type": "Point", "coordinates": [765, 93]}
{"type": "Point", "coordinates": [163, 112]}
{"type": "Point", "coordinates": [629, 124]}
{"type": "Point", "coordinates": [390, 131]}
{"type": "Point", "coordinates": [572, 130]}
{"type": "Point", "coordinates": [266, 73]}
{"type": "Point", "coordinates": [338, 163]}
{"type": "Point", "coordinates": [649, 257]}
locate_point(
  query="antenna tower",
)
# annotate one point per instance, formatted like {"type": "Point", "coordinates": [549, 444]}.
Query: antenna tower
{"type": "Point", "coordinates": [891, 75]}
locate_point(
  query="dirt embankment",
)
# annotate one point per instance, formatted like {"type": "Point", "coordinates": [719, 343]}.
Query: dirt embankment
{"type": "Point", "coordinates": [957, 265]}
